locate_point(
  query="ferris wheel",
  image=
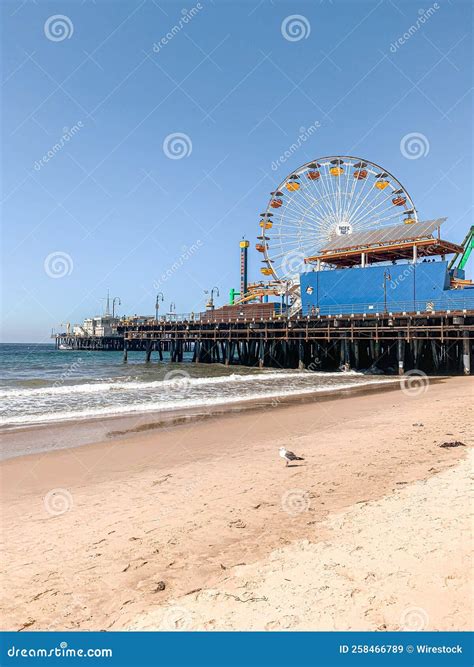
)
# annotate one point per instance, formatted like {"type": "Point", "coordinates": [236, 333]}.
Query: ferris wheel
{"type": "Point", "coordinates": [329, 197]}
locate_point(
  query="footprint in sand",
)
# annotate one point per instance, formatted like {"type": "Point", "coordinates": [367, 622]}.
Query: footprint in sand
{"type": "Point", "coordinates": [283, 623]}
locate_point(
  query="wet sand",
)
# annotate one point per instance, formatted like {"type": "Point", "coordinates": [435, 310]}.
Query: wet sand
{"type": "Point", "coordinates": [25, 440]}
{"type": "Point", "coordinates": [201, 525]}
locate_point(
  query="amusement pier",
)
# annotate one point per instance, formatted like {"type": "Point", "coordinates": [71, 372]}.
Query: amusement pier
{"type": "Point", "coordinates": [351, 278]}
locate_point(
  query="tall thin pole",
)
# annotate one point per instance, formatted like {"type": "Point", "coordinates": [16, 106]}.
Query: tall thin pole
{"type": "Point", "coordinates": [386, 276]}
{"type": "Point", "coordinates": [210, 303]}
{"type": "Point", "coordinates": [159, 297]}
{"type": "Point", "coordinates": [116, 298]}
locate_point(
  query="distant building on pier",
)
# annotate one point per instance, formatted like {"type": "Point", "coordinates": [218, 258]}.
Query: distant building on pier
{"type": "Point", "coordinates": [101, 326]}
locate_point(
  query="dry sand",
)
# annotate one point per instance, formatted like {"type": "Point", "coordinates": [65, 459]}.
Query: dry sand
{"type": "Point", "coordinates": [372, 531]}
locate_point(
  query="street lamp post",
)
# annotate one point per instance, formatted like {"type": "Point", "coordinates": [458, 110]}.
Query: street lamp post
{"type": "Point", "coordinates": [159, 297]}
{"type": "Point", "coordinates": [210, 303]}
{"type": "Point", "coordinates": [116, 298]}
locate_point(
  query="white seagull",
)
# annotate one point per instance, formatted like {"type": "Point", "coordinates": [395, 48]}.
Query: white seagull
{"type": "Point", "coordinates": [289, 456]}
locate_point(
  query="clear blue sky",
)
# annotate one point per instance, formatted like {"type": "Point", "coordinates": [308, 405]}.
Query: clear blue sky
{"type": "Point", "coordinates": [121, 211]}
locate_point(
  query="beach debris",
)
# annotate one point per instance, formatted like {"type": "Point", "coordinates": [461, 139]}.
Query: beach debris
{"type": "Point", "coordinates": [163, 479]}
{"type": "Point", "coordinates": [354, 592]}
{"type": "Point", "coordinates": [417, 424]}
{"type": "Point", "coordinates": [195, 590]}
{"type": "Point", "coordinates": [127, 567]}
{"type": "Point", "coordinates": [249, 599]}
{"type": "Point", "coordinates": [263, 504]}
{"type": "Point", "coordinates": [38, 595]}
{"type": "Point", "coordinates": [452, 443]}
{"type": "Point", "coordinates": [27, 624]}
{"type": "Point", "coordinates": [237, 523]}
{"type": "Point", "coordinates": [150, 586]}
{"type": "Point", "coordinates": [223, 567]}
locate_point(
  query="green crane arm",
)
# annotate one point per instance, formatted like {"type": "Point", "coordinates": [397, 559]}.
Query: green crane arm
{"type": "Point", "coordinates": [468, 245]}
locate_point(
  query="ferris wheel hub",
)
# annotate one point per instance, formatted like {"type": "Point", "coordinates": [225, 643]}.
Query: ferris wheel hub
{"type": "Point", "coordinates": [343, 228]}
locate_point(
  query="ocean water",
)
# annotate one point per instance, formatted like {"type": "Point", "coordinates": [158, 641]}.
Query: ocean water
{"type": "Point", "coordinates": [39, 384]}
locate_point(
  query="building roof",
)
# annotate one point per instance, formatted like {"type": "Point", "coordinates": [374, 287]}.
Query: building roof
{"type": "Point", "coordinates": [382, 235]}
{"type": "Point", "coordinates": [386, 244]}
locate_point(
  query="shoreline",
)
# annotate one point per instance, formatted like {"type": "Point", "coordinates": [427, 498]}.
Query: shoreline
{"type": "Point", "coordinates": [50, 436]}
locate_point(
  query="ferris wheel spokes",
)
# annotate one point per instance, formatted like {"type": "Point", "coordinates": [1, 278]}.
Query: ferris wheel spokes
{"type": "Point", "coordinates": [334, 195]}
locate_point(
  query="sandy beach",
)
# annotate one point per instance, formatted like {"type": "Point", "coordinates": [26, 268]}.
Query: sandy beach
{"type": "Point", "coordinates": [201, 526]}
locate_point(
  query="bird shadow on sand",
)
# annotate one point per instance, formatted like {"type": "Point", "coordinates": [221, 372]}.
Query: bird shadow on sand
{"type": "Point", "coordinates": [295, 465]}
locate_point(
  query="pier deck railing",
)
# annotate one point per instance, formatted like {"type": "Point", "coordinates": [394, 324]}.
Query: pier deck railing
{"type": "Point", "coordinates": [459, 304]}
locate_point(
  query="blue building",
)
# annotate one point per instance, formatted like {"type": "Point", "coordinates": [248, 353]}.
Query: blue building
{"type": "Point", "coordinates": [389, 270]}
